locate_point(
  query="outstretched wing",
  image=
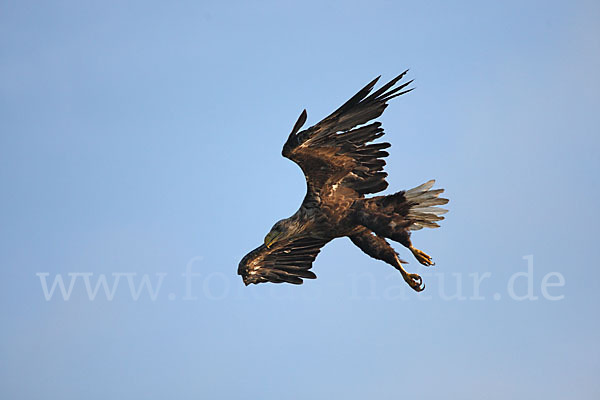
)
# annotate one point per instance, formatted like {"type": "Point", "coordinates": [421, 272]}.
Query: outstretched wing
{"type": "Point", "coordinates": [284, 262]}
{"type": "Point", "coordinates": [336, 150]}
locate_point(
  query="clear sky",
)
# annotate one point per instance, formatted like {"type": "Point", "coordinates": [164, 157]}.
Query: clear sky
{"type": "Point", "coordinates": [144, 138]}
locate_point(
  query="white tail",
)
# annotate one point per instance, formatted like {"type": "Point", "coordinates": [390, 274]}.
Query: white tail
{"type": "Point", "coordinates": [423, 210]}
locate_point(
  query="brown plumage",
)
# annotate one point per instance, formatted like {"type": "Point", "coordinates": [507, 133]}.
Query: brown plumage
{"type": "Point", "coordinates": [341, 166]}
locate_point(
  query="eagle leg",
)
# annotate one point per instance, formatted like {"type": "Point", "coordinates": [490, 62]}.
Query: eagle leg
{"type": "Point", "coordinates": [393, 226]}
{"type": "Point", "coordinates": [378, 248]}
{"type": "Point", "coordinates": [422, 257]}
{"type": "Point", "coordinates": [413, 280]}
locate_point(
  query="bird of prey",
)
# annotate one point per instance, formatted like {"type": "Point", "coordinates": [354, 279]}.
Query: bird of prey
{"type": "Point", "coordinates": [341, 166]}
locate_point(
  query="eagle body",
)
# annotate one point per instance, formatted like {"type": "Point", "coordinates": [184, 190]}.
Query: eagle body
{"type": "Point", "coordinates": [342, 166]}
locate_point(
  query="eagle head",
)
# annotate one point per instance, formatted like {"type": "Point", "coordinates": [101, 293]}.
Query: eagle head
{"type": "Point", "coordinates": [282, 230]}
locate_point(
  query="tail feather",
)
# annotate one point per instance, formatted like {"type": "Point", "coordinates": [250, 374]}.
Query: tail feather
{"type": "Point", "coordinates": [432, 210]}
{"type": "Point", "coordinates": [394, 216]}
{"type": "Point", "coordinates": [422, 201]}
{"type": "Point", "coordinates": [420, 189]}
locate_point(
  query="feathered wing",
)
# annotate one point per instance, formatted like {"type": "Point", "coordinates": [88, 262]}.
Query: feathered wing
{"type": "Point", "coordinates": [337, 149]}
{"type": "Point", "coordinates": [288, 261]}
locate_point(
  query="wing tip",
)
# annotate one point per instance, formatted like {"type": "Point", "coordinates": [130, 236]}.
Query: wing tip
{"type": "Point", "coordinates": [299, 123]}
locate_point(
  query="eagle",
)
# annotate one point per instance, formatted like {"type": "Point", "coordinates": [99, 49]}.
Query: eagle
{"type": "Point", "coordinates": [342, 164]}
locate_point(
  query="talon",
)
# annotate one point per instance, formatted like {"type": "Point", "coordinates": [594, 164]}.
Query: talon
{"type": "Point", "coordinates": [415, 282]}
{"type": "Point", "coordinates": [422, 257]}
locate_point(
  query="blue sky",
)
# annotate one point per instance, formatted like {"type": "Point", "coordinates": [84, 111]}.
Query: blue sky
{"type": "Point", "coordinates": [145, 137]}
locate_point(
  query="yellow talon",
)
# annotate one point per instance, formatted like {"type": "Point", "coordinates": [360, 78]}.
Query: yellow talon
{"type": "Point", "coordinates": [422, 257]}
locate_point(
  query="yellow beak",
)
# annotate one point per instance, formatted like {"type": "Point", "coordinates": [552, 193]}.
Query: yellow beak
{"type": "Point", "coordinates": [270, 238]}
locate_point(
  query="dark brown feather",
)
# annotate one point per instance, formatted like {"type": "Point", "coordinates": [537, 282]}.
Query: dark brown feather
{"type": "Point", "coordinates": [288, 261]}
{"type": "Point", "coordinates": [336, 150]}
